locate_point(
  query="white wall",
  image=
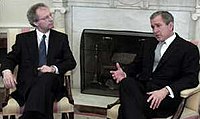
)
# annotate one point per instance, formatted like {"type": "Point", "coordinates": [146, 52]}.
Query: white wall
{"type": "Point", "coordinates": [13, 12]}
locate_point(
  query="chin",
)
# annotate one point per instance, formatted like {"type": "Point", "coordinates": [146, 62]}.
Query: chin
{"type": "Point", "coordinates": [159, 39]}
{"type": "Point", "coordinates": [51, 26]}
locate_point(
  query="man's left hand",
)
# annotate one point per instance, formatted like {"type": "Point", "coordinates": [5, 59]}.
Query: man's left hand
{"type": "Point", "coordinates": [156, 97]}
{"type": "Point", "coordinates": [46, 68]}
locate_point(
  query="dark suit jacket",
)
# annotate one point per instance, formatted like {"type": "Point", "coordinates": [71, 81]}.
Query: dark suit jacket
{"type": "Point", "coordinates": [25, 54]}
{"type": "Point", "coordinates": [178, 67]}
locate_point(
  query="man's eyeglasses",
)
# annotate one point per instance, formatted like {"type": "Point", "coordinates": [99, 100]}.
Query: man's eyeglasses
{"type": "Point", "coordinates": [46, 18]}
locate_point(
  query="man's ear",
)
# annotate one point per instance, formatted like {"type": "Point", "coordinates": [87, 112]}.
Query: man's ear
{"type": "Point", "coordinates": [171, 25]}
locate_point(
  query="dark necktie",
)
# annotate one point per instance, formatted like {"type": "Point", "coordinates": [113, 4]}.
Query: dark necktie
{"type": "Point", "coordinates": [42, 51]}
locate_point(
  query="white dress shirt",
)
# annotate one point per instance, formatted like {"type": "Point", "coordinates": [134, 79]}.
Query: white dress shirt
{"type": "Point", "coordinates": [39, 38]}
{"type": "Point", "coordinates": [163, 49]}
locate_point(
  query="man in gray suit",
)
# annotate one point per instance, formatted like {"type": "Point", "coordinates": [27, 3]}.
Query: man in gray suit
{"type": "Point", "coordinates": [151, 85]}
{"type": "Point", "coordinates": [43, 57]}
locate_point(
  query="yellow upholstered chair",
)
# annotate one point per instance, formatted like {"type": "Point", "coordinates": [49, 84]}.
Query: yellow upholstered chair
{"type": "Point", "coordinates": [188, 109]}
{"type": "Point", "coordinates": [11, 108]}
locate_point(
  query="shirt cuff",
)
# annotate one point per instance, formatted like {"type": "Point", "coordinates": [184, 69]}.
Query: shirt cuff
{"type": "Point", "coordinates": [6, 70]}
{"type": "Point", "coordinates": [171, 94]}
{"type": "Point", "coordinates": [56, 69]}
{"type": "Point", "coordinates": [125, 75]}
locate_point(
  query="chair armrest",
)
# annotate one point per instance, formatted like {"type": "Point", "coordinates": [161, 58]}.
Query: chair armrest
{"type": "Point", "coordinates": [188, 92]}
{"type": "Point", "coordinates": [185, 94]}
{"type": "Point", "coordinates": [6, 97]}
{"type": "Point", "coordinates": [113, 104]}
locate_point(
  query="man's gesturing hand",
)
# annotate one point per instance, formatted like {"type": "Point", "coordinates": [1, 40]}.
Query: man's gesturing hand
{"type": "Point", "coordinates": [119, 74]}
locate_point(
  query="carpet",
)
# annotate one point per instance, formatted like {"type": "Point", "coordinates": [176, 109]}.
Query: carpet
{"type": "Point", "coordinates": [88, 116]}
{"type": "Point", "coordinates": [82, 116]}
{"type": "Point", "coordinates": [89, 112]}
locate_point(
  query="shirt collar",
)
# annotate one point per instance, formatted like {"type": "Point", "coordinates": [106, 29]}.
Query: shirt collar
{"type": "Point", "coordinates": [170, 39]}
{"type": "Point", "coordinates": [40, 34]}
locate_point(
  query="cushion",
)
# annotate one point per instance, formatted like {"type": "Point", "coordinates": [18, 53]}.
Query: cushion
{"type": "Point", "coordinates": [189, 114]}
{"type": "Point", "coordinates": [63, 106]}
{"type": "Point", "coordinates": [13, 108]}
{"type": "Point", "coordinates": [112, 113]}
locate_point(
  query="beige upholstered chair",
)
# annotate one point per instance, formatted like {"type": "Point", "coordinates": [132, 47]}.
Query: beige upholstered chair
{"type": "Point", "coordinates": [188, 109]}
{"type": "Point", "coordinates": [10, 106]}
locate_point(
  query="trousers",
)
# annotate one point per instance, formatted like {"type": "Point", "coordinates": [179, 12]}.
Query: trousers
{"type": "Point", "coordinates": [134, 105]}
{"type": "Point", "coordinates": [40, 97]}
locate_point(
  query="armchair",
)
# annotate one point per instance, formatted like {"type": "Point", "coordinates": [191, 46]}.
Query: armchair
{"type": "Point", "coordinates": [188, 109]}
{"type": "Point", "coordinates": [65, 106]}
{"type": "Point", "coordinates": [10, 107]}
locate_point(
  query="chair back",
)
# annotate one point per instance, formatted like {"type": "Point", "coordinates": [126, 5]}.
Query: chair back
{"type": "Point", "coordinates": [63, 107]}
{"type": "Point", "coordinates": [193, 102]}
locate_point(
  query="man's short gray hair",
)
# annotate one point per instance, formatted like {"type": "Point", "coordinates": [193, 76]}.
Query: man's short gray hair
{"type": "Point", "coordinates": [31, 13]}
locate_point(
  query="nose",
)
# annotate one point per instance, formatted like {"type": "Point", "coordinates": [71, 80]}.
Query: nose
{"type": "Point", "coordinates": [155, 30]}
{"type": "Point", "coordinates": [50, 18]}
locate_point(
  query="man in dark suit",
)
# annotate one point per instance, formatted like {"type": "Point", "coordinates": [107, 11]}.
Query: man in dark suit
{"type": "Point", "coordinates": [40, 74]}
{"type": "Point", "coordinates": [151, 85]}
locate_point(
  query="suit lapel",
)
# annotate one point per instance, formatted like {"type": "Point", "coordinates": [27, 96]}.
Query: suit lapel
{"type": "Point", "coordinates": [50, 46]}
{"type": "Point", "coordinates": [152, 56]}
{"type": "Point", "coordinates": [33, 46]}
{"type": "Point", "coordinates": [170, 50]}
{"type": "Point", "coordinates": [149, 54]}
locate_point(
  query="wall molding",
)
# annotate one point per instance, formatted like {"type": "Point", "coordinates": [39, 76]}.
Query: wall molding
{"type": "Point", "coordinates": [196, 14]}
{"type": "Point", "coordinates": [62, 10]}
{"type": "Point", "coordinates": [132, 4]}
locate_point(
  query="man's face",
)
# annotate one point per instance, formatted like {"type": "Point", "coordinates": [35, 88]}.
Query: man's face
{"type": "Point", "coordinates": [45, 20]}
{"type": "Point", "coordinates": [161, 30]}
